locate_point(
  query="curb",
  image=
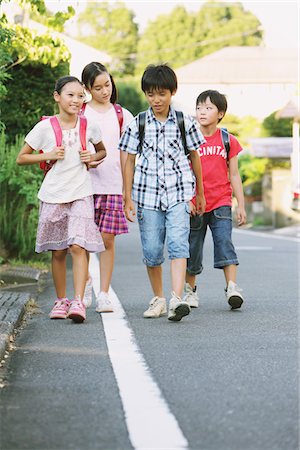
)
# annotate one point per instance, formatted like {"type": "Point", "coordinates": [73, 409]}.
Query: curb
{"type": "Point", "coordinates": [12, 310]}
{"type": "Point", "coordinates": [13, 301]}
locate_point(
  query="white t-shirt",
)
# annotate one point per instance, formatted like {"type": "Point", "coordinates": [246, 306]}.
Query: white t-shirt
{"type": "Point", "coordinates": [68, 179]}
{"type": "Point", "coordinates": [107, 177]}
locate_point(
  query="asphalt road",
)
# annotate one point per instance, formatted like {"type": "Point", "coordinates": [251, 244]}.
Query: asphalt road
{"type": "Point", "coordinates": [228, 377]}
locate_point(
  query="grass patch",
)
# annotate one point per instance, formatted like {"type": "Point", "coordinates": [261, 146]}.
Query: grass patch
{"type": "Point", "coordinates": [34, 264]}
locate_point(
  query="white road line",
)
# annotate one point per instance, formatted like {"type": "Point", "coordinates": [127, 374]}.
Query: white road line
{"type": "Point", "coordinates": [150, 423]}
{"type": "Point", "coordinates": [266, 235]}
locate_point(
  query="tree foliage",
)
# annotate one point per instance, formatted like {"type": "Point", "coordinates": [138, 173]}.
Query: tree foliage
{"type": "Point", "coordinates": [277, 127]}
{"type": "Point", "coordinates": [182, 37]}
{"type": "Point", "coordinates": [19, 203]}
{"type": "Point", "coordinates": [39, 59]}
{"type": "Point", "coordinates": [29, 92]}
{"type": "Point", "coordinates": [110, 27]}
{"type": "Point", "coordinates": [131, 96]}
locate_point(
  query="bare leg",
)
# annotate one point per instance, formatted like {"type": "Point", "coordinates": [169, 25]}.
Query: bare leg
{"type": "Point", "coordinates": [59, 272]}
{"type": "Point", "coordinates": [88, 262]}
{"type": "Point", "coordinates": [230, 273]}
{"type": "Point", "coordinates": [178, 270]}
{"type": "Point", "coordinates": [107, 259]}
{"type": "Point", "coordinates": [80, 269]}
{"type": "Point", "coordinates": [155, 277]}
{"type": "Point", "coordinates": [191, 279]}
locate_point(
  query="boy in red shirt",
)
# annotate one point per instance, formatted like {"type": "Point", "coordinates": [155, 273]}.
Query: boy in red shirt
{"type": "Point", "coordinates": [220, 178]}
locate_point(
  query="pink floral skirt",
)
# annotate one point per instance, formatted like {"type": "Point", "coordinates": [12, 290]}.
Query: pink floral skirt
{"type": "Point", "coordinates": [64, 224]}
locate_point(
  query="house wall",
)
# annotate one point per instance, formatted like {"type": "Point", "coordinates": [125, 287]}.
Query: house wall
{"type": "Point", "coordinates": [257, 100]}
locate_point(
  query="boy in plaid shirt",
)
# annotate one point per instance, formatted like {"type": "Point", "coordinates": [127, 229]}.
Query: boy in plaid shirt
{"type": "Point", "coordinates": [162, 183]}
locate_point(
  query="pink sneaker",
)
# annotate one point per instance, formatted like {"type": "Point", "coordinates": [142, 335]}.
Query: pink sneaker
{"type": "Point", "coordinates": [60, 309]}
{"type": "Point", "coordinates": [77, 311]}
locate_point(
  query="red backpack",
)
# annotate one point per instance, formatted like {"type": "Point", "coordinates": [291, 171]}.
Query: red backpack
{"type": "Point", "coordinates": [119, 112]}
{"type": "Point", "coordinates": [47, 165]}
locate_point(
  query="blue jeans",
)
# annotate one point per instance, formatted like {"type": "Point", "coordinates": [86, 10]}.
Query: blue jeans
{"type": "Point", "coordinates": [220, 223]}
{"type": "Point", "coordinates": [156, 226]}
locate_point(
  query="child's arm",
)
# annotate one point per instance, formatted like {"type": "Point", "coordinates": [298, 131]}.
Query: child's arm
{"type": "Point", "coordinates": [237, 187]}
{"type": "Point", "coordinates": [93, 159]}
{"type": "Point", "coordinates": [128, 182]}
{"type": "Point", "coordinates": [197, 169]}
{"type": "Point", "coordinates": [26, 155]}
{"type": "Point", "coordinates": [123, 159]}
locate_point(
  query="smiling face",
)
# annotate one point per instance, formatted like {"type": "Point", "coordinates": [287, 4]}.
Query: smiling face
{"type": "Point", "coordinates": [71, 97]}
{"type": "Point", "coordinates": [159, 100]}
{"type": "Point", "coordinates": [208, 114]}
{"type": "Point", "coordinates": [101, 90]}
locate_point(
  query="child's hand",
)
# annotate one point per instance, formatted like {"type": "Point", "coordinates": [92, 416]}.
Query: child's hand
{"type": "Point", "coordinates": [192, 208]}
{"type": "Point", "coordinates": [200, 204]}
{"type": "Point", "coordinates": [241, 216]}
{"type": "Point", "coordinates": [57, 153]}
{"type": "Point", "coordinates": [129, 210]}
{"type": "Point", "coordinates": [85, 157]}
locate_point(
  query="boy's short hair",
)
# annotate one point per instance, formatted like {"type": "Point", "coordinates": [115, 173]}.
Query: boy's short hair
{"type": "Point", "coordinates": [218, 99]}
{"type": "Point", "coordinates": [158, 77]}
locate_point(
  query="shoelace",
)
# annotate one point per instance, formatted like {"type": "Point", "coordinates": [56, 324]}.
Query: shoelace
{"type": "Point", "coordinates": [153, 303]}
{"type": "Point", "coordinates": [58, 304]}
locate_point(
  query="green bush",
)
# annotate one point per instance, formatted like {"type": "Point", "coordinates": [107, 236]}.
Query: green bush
{"type": "Point", "coordinates": [251, 168]}
{"type": "Point", "coordinates": [29, 96]}
{"type": "Point", "coordinates": [19, 204]}
{"type": "Point", "coordinates": [131, 96]}
{"type": "Point", "coordinates": [277, 127]}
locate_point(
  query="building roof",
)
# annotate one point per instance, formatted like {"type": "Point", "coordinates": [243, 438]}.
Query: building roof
{"type": "Point", "coordinates": [255, 65]}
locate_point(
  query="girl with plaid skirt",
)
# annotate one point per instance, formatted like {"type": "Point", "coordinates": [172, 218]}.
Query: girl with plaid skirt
{"type": "Point", "coordinates": [107, 179]}
{"type": "Point", "coordinates": [66, 216]}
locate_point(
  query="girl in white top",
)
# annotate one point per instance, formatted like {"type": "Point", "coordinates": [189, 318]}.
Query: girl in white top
{"type": "Point", "coordinates": [66, 216]}
{"type": "Point", "coordinates": [107, 179]}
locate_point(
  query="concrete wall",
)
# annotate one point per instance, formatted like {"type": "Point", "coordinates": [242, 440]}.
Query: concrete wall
{"type": "Point", "coordinates": [277, 199]}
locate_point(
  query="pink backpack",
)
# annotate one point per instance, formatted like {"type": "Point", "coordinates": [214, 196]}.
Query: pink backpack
{"type": "Point", "coordinates": [45, 165]}
{"type": "Point", "coordinates": [119, 112]}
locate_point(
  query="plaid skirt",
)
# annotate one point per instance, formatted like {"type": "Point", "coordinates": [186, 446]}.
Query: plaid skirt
{"type": "Point", "coordinates": [109, 214]}
{"type": "Point", "coordinates": [64, 224]}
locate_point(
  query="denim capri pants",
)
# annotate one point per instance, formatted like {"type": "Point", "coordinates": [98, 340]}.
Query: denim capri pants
{"type": "Point", "coordinates": [219, 221]}
{"type": "Point", "coordinates": [157, 226]}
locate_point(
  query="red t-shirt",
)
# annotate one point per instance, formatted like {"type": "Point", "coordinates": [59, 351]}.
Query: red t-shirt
{"type": "Point", "coordinates": [217, 187]}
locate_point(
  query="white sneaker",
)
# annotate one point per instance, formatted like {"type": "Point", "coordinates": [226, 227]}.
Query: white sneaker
{"type": "Point", "coordinates": [191, 296]}
{"type": "Point", "coordinates": [178, 308]}
{"type": "Point", "coordinates": [88, 293]}
{"type": "Point", "coordinates": [157, 307]}
{"type": "Point", "coordinates": [104, 303]}
{"type": "Point", "coordinates": [233, 295]}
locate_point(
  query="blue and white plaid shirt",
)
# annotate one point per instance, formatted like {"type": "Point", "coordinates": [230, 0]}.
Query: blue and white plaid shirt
{"type": "Point", "coordinates": [162, 176]}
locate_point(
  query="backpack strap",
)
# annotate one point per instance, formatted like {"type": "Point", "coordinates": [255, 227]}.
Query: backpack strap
{"type": "Point", "coordinates": [82, 131]}
{"type": "Point", "coordinates": [120, 116]}
{"type": "Point", "coordinates": [57, 130]}
{"type": "Point", "coordinates": [226, 140]}
{"type": "Point", "coordinates": [141, 129]}
{"type": "Point", "coordinates": [83, 109]}
{"type": "Point", "coordinates": [180, 121]}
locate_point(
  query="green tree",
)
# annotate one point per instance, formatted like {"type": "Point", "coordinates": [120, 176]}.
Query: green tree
{"type": "Point", "coordinates": [277, 127]}
{"type": "Point", "coordinates": [131, 96]}
{"type": "Point", "coordinates": [182, 37]}
{"type": "Point", "coordinates": [219, 25]}
{"type": "Point", "coordinates": [23, 51]}
{"type": "Point", "coordinates": [167, 39]}
{"type": "Point", "coordinates": [110, 27]}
